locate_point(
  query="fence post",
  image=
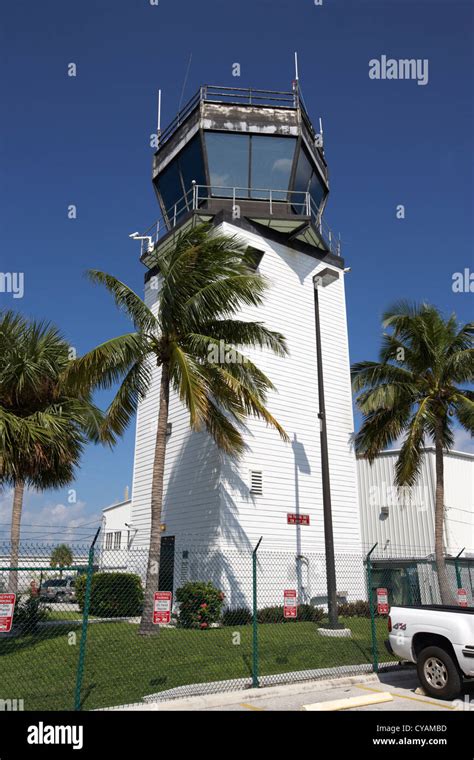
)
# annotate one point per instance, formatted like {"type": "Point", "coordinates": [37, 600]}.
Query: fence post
{"type": "Point", "coordinates": [85, 620]}
{"type": "Point", "coordinates": [458, 572]}
{"type": "Point", "coordinates": [375, 655]}
{"type": "Point", "coordinates": [255, 683]}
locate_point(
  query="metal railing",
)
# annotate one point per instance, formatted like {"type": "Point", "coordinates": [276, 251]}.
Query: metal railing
{"type": "Point", "coordinates": [272, 201]}
{"type": "Point", "coordinates": [244, 96]}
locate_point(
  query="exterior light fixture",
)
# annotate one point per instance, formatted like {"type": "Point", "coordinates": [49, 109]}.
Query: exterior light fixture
{"type": "Point", "coordinates": [321, 280]}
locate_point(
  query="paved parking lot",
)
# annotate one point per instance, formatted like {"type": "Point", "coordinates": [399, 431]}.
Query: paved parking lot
{"type": "Point", "coordinates": [402, 685]}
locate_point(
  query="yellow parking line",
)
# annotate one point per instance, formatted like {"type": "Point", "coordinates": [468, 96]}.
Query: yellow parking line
{"type": "Point", "coordinates": [252, 707]}
{"type": "Point", "coordinates": [413, 699]}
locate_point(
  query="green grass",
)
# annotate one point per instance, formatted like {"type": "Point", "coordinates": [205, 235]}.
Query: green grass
{"type": "Point", "coordinates": [122, 666]}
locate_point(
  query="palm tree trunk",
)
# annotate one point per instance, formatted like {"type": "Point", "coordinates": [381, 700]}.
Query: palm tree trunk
{"type": "Point", "coordinates": [153, 568]}
{"type": "Point", "coordinates": [443, 580]}
{"type": "Point", "coordinates": [15, 536]}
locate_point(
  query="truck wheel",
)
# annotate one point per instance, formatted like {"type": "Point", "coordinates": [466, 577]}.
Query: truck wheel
{"type": "Point", "coordinates": [438, 673]}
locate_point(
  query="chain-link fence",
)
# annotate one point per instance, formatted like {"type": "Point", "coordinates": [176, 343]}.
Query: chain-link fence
{"type": "Point", "coordinates": [410, 578]}
{"type": "Point", "coordinates": [77, 637]}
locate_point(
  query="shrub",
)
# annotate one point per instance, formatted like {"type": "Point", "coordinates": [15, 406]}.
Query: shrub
{"type": "Point", "coordinates": [309, 614]}
{"type": "Point", "coordinates": [237, 616]}
{"type": "Point", "coordinates": [112, 594]}
{"type": "Point", "coordinates": [354, 609]}
{"type": "Point", "coordinates": [306, 614]}
{"type": "Point", "coordinates": [28, 613]}
{"type": "Point", "coordinates": [200, 604]}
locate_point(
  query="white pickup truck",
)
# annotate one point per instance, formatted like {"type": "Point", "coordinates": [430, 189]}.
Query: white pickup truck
{"type": "Point", "coordinates": [440, 640]}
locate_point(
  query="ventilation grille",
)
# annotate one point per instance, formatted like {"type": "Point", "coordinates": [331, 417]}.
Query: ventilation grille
{"type": "Point", "coordinates": [256, 482]}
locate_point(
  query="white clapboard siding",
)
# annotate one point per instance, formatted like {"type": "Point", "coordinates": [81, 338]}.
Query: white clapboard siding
{"type": "Point", "coordinates": [207, 496]}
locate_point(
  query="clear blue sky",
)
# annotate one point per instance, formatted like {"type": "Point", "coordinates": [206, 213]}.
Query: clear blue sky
{"type": "Point", "coordinates": [85, 141]}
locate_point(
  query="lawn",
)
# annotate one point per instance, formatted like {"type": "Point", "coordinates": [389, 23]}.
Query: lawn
{"type": "Point", "coordinates": [122, 666]}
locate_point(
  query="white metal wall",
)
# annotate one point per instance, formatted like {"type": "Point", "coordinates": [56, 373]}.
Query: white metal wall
{"type": "Point", "coordinates": [409, 523]}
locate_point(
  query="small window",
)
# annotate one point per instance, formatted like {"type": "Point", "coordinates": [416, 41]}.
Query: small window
{"type": "Point", "coordinates": [254, 256]}
{"type": "Point", "coordinates": [256, 482]}
{"type": "Point", "coordinates": [117, 539]}
{"type": "Point", "coordinates": [108, 540]}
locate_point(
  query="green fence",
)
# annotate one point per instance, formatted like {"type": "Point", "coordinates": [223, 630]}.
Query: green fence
{"type": "Point", "coordinates": [80, 639]}
{"type": "Point", "coordinates": [410, 578]}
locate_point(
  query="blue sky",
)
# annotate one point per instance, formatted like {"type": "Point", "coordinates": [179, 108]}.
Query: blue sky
{"type": "Point", "coordinates": [85, 141]}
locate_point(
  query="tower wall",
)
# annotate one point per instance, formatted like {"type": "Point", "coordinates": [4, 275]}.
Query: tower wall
{"type": "Point", "coordinates": [208, 505]}
{"type": "Point", "coordinates": [292, 472]}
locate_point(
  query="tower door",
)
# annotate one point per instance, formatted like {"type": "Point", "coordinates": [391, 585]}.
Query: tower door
{"type": "Point", "coordinates": [166, 576]}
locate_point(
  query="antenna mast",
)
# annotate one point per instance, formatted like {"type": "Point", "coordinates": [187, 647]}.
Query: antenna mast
{"type": "Point", "coordinates": [158, 126]}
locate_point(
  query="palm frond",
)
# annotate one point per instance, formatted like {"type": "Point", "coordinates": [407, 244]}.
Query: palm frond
{"type": "Point", "coordinates": [106, 364]}
{"type": "Point", "coordinates": [132, 390]}
{"type": "Point", "coordinates": [128, 301]}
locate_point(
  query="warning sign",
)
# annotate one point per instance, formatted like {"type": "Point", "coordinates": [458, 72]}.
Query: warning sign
{"type": "Point", "coordinates": [290, 608]}
{"type": "Point", "coordinates": [7, 606]}
{"type": "Point", "coordinates": [382, 601]}
{"type": "Point", "coordinates": [162, 607]}
{"type": "Point", "coordinates": [294, 519]}
{"type": "Point", "coordinates": [462, 597]}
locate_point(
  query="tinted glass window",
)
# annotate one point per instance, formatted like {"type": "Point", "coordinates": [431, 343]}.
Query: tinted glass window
{"type": "Point", "coordinates": [228, 156]}
{"type": "Point", "coordinates": [316, 190]}
{"type": "Point", "coordinates": [272, 159]}
{"type": "Point", "coordinates": [302, 182]}
{"type": "Point", "coordinates": [192, 165]}
{"type": "Point", "coordinates": [169, 185]}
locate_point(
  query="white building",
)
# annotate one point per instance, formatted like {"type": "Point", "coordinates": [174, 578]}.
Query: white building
{"type": "Point", "coordinates": [229, 147]}
{"type": "Point", "coordinates": [402, 522]}
{"type": "Point", "coordinates": [116, 535]}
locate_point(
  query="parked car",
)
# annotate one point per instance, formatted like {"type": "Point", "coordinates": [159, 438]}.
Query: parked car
{"type": "Point", "coordinates": [58, 590]}
{"type": "Point", "coordinates": [439, 639]}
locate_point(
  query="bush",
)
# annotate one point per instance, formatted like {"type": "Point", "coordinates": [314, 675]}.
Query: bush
{"type": "Point", "coordinates": [354, 609]}
{"type": "Point", "coordinates": [306, 614]}
{"type": "Point", "coordinates": [309, 614]}
{"type": "Point", "coordinates": [28, 613]}
{"type": "Point", "coordinates": [237, 616]}
{"type": "Point", "coordinates": [200, 604]}
{"type": "Point", "coordinates": [112, 594]}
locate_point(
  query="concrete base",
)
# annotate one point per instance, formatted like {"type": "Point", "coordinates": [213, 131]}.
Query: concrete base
{"type": "Point", "coordinates": [337, 633]}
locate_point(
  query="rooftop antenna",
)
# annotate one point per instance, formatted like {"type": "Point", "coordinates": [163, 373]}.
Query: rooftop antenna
{"type": "Point", "coordinates": [321, 132]}
{"type": "Point", "coordinates": [185, 82]}
{"type": "Point", "coordinates": [158, 125]}
{"type": "Point", "coordinates": [295, 82]}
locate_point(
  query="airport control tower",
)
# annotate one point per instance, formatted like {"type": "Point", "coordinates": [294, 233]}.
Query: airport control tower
{"type": "Point", "coordinates": [251, 163]}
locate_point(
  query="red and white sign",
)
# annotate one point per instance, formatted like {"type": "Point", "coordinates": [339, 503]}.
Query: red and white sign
{"type": "Point", "coordinates": [162, 607]}
{"type": "Point", "coordinates": [382, 601]}
{"type": "Point", "coordinates": [294, 519]}
{"type": "Point", "coordinates": [7, 606]}
{"type": "Point", "coordinates": [290, 608]}
{"type": "Point", "coordinates": [462, 597]}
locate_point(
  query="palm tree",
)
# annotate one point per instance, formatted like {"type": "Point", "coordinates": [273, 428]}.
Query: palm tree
{"type": "Point", "coordinates": [413, 391]}
{"type": "Point", "coordinates": [204, 281]}
{"type": "Point", "coordinates": [61, 557]}
{"type": "Point", "coordinates": [44, 424]}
